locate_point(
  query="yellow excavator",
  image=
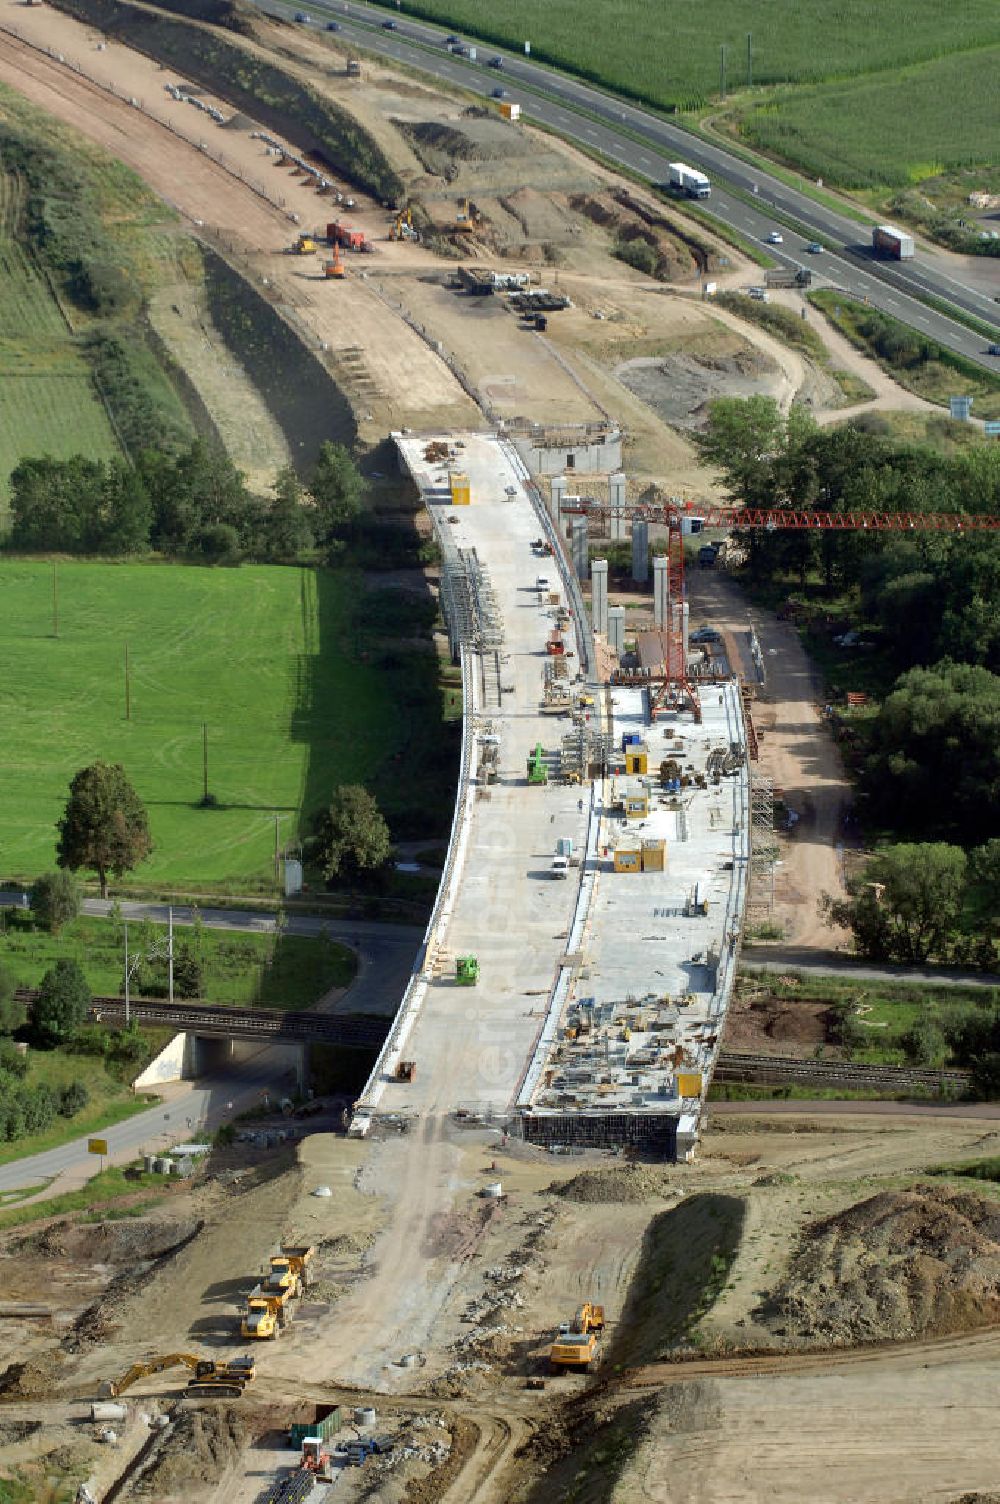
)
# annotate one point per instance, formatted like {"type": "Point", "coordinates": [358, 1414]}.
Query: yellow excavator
{"type": "Point", "coordinates": [219, 1378]}
{"type": "Point", "coordinates": [576, 1344]}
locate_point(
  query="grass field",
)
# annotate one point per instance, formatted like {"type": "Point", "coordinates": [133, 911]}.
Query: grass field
{"type": "Point", "coordinates": [671, 56]}
{"type": "Point", "coordinates": [101, 1192]}
{"type": "Point", "coordinates": [264, 656]}
{"type": "Point", "coordinates": [48, 401]}
{"type": "Point", "coordinates": [290, 971]}
{"type": "Point", "coordinates": [849, 132]}
{"type": "Point", "coordinates": [111, 1101]}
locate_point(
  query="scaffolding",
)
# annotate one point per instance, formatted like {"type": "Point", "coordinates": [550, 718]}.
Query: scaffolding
{"type": "Point", "coordinates": [763, 849]}
{"type": "Point", "coordinates": [583, 751]}
{"type": "Point", "coordinates": [469, 602]}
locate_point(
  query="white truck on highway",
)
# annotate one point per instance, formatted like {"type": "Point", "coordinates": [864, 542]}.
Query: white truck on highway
{"type": "Point", "coordinates": [684, 179]}
{"type": "Point", "coordinates": [888, 241]}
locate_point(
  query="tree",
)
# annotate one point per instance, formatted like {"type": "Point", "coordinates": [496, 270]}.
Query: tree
{"type": "Point", "coordinates": [288, 527]}
{"type": "Point", "coordinates": [105, 825]}
{"type": "Point", "coordinates": [907, 902]}
{"type": "Point", "coordinates": [337, 487]}
{"type": "Point", "coordinates": [934, 764]}
{"type": "Point", "coordinates": [55, 900]}
{"type": "Point", "coordinates": [356, 837]}
{"type": "Point", "coordinates": [73, 1099]}
{"type": "Point", "coordinates": [12, 1012]}
{"type": "Point", "coordinates": [62, 1004]}
{"type": "Point", "coordinates": [743, 438]}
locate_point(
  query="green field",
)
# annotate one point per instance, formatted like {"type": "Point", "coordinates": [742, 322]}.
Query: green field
{"type": "Point", "coordinates": [850, 132]}
{"type": "Point", "coordinates": [670, 54]}
{"type": "Point", "coordinates": [264, 656]}
{"type": "Point", "coordinates": [290, 971]}
{"type": "Point", "coordinates": [48, 401]}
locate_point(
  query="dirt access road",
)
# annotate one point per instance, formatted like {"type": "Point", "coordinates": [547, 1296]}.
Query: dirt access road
{"type": "Point", "coordinates": [797, 752]}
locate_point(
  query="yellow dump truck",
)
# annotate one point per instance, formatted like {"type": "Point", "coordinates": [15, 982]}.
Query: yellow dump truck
{"type": "Point", "coordinates": [576, 1344]}
{"type": "Point", "coordinates": [267, 1311]}
{"type": "Point", "coordinates": [291, 1267]}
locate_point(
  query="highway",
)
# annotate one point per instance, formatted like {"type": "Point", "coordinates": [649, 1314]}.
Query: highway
{"type": "Point", "coordinates": [644, 144]}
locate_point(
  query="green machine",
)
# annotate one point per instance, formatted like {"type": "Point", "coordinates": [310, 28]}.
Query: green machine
{"type": "Point", "coordinates": [537, 768]}
{"type": "Point", "coordinates": [467, 971]}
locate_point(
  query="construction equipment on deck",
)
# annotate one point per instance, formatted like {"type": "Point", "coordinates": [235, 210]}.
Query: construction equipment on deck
{"type": "Point", "coordinates": [538, 771]}
{"type": "Point", "coordinates": [223, 1378]}
{"type": "Point", "coordinates": [467, 971]}
{"type": "Point", "coordinates": [406, 1070]}
{"type": "Point", "coordinates": [576, 1344]}
{"type": "Point", "coordinates": [555, 646]}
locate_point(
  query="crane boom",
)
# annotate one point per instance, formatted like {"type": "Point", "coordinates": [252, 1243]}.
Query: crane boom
{"type": "Point", "coordinates": [772, 518]}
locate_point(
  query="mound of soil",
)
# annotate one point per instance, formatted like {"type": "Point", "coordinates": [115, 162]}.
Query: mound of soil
{"type": "Point", "coordinates": [32, 1380]}
{"type": "Point", "coordinates": [620, 1183]}
{"type": "Point", "coordinates": [124, 1241]}
{"type": "Point", "coordinates": [196, 1450]}
{"type": "Point", "coordinates": [783, 1026]}
{"type": "Point", "coordinates": [899, 1265]}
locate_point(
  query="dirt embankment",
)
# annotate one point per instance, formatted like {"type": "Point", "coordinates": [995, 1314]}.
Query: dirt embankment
{"type": "Point", "coordinates": [902, 1264]}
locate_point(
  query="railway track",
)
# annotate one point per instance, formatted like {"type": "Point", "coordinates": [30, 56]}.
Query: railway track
{"type": "Point", "coordinates": [773, 1070]}
{"type": "Point", "coordinates": [360, 1031]}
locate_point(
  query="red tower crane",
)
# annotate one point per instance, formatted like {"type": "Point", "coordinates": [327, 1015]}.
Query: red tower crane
{"type": "Point", "coordinates": [674, 687]}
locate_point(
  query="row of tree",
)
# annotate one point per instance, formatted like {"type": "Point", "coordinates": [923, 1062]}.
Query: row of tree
{"type": "Point", "coordinates": [925, 901]}
{"type": "Point", "coordinates": [194, 505]}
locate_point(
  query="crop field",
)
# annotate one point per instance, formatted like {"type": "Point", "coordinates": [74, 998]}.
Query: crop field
{"type": "Point", "coordinates": [257, 655]}
{"type": "Point", "coordinates": [848, 132]}
{"type": "Point", "coordinates": [670, 55]}
{"type": "Point", "coordinates": [48, 402]}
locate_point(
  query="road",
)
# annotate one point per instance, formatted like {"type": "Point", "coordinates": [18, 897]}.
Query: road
{"type": "Point", "coordinates": [785, 958]}
{"type": "Point", "coordinates": [204, 1105]}
{"type": "Point", "coordinates": [386, 952]}
{"type": "Point", "coordinates": [644, 144]}
{"type": "Point", "coordinates": [386, 955]}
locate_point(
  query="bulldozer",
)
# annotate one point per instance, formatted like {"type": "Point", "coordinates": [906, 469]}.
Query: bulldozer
{"type": "Point", "coordinates": [576, 1344]}
{"type": "Point", "coordinates": [221, 1378]}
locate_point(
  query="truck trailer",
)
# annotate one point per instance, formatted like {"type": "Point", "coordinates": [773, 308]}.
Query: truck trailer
{"type": "Point", "coordinates": [684, 179]}
{"type": "Point", "coordinates": [788, 276]}
{"type": "Point", "coordinates": [888, 241]}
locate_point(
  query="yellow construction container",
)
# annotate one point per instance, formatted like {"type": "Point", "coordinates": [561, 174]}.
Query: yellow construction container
{"type": "Point", "coordinates": [654, 856]}
{"type": "Point", "coordinates": [689, 1084]}
{"type": "Point", "coordinates": [628, 860]}
{"type": "Point", "coordinates": [510, 111]}
{"type": "Point", "coordinates": [637, 805]}
{"type": "Point", "coordinates": [636, 760]}
{"type": "Point", "coordinates": [460, 491]}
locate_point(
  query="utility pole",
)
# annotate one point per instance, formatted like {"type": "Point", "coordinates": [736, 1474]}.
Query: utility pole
{"type": "Point", "coordinates": [722, 71]}
{"type": "Point", "coordinates": [204, 761]}
{"type": "Point", "coordinates": [170, 954]}
{"type": "Point", "coordinates": [277, 855]}
{"type": "Point", "coordinates": [749, 59]}
{"type": "Point", "coordinates": [126, 973]}
{"type": "Point", "coordinates": [55, 599]}
{"type": "Point", "coordinates": [128, 689]}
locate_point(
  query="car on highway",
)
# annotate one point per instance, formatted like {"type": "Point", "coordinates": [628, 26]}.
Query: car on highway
{"type": "Point", "coordinates": [333, 25]}
{"type": "Point", "coordinates": [389, 26]}
{"type": "Point", "coordinates": [993, 350]}
{"type": "Point", "coordinates": [499, 93]}
{"type": "Point", "coordinates": [302, 18]}
{"type": "Point", "coordinates": [814, 248]}
{"type": "Point", "coordinates": [452, 41]}
{"type": "Point", "coordinates": [496, 62]}
{"type": "Point", "coordinates": [776, 238]}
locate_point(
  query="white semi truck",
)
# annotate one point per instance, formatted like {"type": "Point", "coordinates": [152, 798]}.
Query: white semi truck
{"type": "Point", "coordinates": [684, 179]}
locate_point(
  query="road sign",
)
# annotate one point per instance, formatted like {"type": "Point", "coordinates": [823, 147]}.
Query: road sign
{"type": "Point", "coordinates": [97, 1146]}
{"type": "Point", "coordinates": [992, 430]}
{"type": "Point", "coordinates": [960, 408]}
